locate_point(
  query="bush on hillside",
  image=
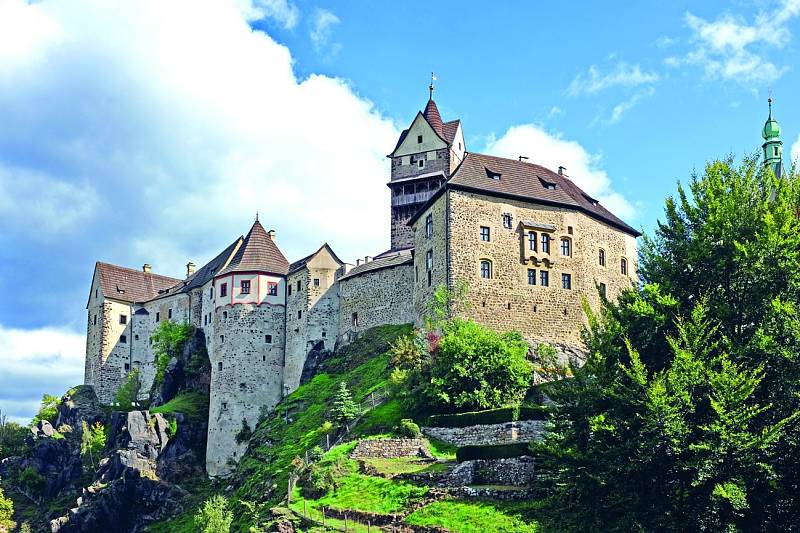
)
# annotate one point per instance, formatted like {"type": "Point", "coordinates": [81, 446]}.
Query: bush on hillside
{"type": "Point", "coordinates": [168, 341]}
{"type": "Point", "coordinates": [214, 516]}
{"type": "Point", "coordinates": [12, 438]}
{"type": "Point", "coordinates": [489, 416]}
{"type": "Point", "coordinates": [6, 512]}
{"type": "Point", "coordinates": [408, 428]}
{"type": "Point", "coordinates": [48, 409]}
{"type": "Point", "coordinates": [93, 441]}
{"type": "Point", "coordinates": [493, 451]}
{"type": "Point", "coordinates": [126, 397]}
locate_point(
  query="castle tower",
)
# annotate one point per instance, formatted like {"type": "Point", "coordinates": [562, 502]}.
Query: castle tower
{"type": "Point", "coordinates": [247, 354]}
{"type": "Point", "coordinates": [423, 159]}
{"type": "Point", "coordinates": [773, 146]}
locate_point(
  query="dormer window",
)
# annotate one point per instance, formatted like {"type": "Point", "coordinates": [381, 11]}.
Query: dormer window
{"type": "Point", "coordinates": [549, 185]}
{"type": "Point", "coordinates": [493, 175]}
{"type": "Point", "coordinates": [120, 290]}
{"type": "Point", "coordinates": [590, 199]}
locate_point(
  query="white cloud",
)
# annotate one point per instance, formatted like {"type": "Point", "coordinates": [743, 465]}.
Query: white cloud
{"type": "Point", "coordinates": [167, 142]}
{"type": "Point", "coordinates": [622, 75]}
{"type": "Point", "coordinates": [283, 12]}
{"type": "Point", "coordinates": [625, 106]}
{"type": "Point", "coordinates": [552, 151]}
{"type": "Point", "coordinates": [321, 28]}
{"type": "Point", "coordinates": [732, 48]}
{"type": "Point", "coordinates": [47, 360]}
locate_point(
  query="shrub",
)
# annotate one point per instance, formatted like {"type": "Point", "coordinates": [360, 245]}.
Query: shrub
{"type": "Point", "coordinates": [6, 512]}
{"type": "Point", "coordinates": [93, 441]}
{"type": "Point", "coordinates": [128, 392]}
{"type": "Point", "coordinates": [214, 516]}
{"type": "Point", "coordinates": [192, 404]}
{"type": "Point", "coordinates": [489, 416]}
{"type": "Point", "coordinates": [31, 480]}
{"type": "Point", "coordinates": [477, 368]}
{"type": "Point", "coordinates": [48, 409]}
{"type": "Point", "coordinates": [493, 451]}
{"type": "Point", "coordinates": [168, 341]}
{"type": "Point", "coordinates": [408, 352]}
{"type": "Point", "coordinates": [408, 428]}
{"type": "Point", "coordinates": [172, 427]}
{"type": "Point", "coordinates": [12, 438]}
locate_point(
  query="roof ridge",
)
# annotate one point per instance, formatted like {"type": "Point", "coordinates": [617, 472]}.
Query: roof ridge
{"type": "Point", "coordinates": [136, 270]}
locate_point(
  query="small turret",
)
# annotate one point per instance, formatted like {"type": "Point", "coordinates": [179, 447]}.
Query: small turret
{"type": "Point", "coordinates": [773, 146]}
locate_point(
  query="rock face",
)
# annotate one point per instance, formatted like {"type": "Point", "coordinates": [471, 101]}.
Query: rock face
{"type": "Point", "coordinates": [78, 405]}
{"type": "Point", "coordinates": [190, 371]}
{"type": "Point", "coordinates": [185, 453]}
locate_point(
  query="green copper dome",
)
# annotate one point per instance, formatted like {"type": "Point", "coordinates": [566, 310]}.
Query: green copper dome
{"type": "Point", "coordinates": [772, 129]}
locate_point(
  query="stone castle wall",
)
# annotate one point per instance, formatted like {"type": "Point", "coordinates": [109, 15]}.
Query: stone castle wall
{"type": "Point", "coordinates": [482, 434]}
{"type": "Point", "coordinates": [246, 376]}
{"type": "Point", "coordinates": [435, 161]}
{"type": "Point", "coordinates": [437, 244]}
{"type": "Point", "coordinates": [106, 365]}
{"type": "Point", "coordinates": [376, 297]}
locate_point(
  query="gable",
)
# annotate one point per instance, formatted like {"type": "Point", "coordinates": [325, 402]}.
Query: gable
{"type": "Point", "coordinates": [430, 139]}
{"type": "Point", "coordinates": [324, 259]}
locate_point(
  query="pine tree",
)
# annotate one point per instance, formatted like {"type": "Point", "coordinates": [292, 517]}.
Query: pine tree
{"type": "Point", "coordinates": [344, 408]}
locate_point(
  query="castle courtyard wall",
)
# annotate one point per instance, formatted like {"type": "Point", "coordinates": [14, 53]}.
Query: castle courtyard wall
{"type": "Point", "coordinates": [376, 297]}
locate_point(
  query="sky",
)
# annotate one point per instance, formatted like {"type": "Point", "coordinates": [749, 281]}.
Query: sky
{"type": "Point", "coordinates": [152, 132]}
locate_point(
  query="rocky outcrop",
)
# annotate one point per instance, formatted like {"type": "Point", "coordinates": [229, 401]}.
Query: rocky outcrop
{"type": "Point", "coordinates": [316, 356]}
{"type": "Point", "coordinates": [80, 404]}
{"type": "Point", "coordinates": [190, 371]}
{"type": "Point", "coordinates": [185, 453]}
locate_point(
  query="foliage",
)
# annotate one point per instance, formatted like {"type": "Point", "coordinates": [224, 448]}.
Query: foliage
{"type": "Point", "coordinates": [126, 397]}
{"type": "Point", "coordinates": [477, 368]}
{"type": "Point", "coordinates": [408, 428]}
{"type": "Point", "coordinates": [93, 441]}
{"type": "Point", "coordinates": [446, 303]}
{"type": "Point", "coordinates": [192, 404]}
{"type": "Point", "coordinates": [172, 427]}
{"type": "Point", "coordinates": [214, 516]}
{"type": "Point", "coordinates": [48, 409]}
{"type": "Point", "coordinates": [168, 340]}
{"type": "Point", "coordinates": [471, 517]}
{"type": "Point", "coordinates": [12, 437]}
{"type": "Point", "coordinates": [492, 451]}
{"type": "Point", "coordinates": [245, 433]}
{"type": "Point", "coordinates": [344, 409]}
{"type": "Point", "coordinates": [489, 416]}
{"type": "Point", "coordinates": [31, 480]}
{"type": "Point", "coordinates": [408, 352]}
{"type": "Point", "coordinates": [6, 512]}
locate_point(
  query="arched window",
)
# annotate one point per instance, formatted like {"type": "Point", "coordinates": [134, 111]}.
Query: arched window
{"type": "Point", "coordinates": [486, 269]}
{"type": "Point", "coordinates": [623, 266]}
{"type": "Point", "coordinates": [601, 257]}
{"type": "Point", "coordinates": [566, 247]}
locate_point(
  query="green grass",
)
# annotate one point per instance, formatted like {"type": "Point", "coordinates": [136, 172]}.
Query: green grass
{"type": "Point", "coordinates": [471, 517]}
{"type": "Point", "coordinates": [403, 465]}
{"type": "Point", "coordinates": [441, 449]}
{"type": "Point", "coordinates": [371, 494]}
{"type": "Point", "coordinates": [192, 404]}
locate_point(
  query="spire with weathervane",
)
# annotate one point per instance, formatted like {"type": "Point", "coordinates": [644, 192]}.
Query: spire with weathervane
{"type": "Point", "coordinates": [773, 146]}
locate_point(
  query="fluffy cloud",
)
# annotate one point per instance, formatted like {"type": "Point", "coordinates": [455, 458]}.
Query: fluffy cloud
{"type": "Point", "coordinates": [733, 48]}
{"type": "Point", "coordinates": [181, 121]}
{"type": "Point", "coordinates": [321, 28]}
{"type": "Point", "coordinates": [622, 75]}
{"type": "Point", "coordinates": [553, 151]}
{"type": "Point", "coordinates": [34, 362]}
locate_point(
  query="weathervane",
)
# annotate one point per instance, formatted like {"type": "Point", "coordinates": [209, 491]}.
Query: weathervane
{"type": "Point", "coordinates": [431, 87]}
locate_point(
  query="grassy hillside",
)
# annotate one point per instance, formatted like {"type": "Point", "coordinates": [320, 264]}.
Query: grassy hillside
{"type": "Point", "coordinates": [260, 482]}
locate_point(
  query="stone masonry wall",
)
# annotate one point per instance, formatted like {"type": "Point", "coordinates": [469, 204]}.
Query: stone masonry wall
{"type": "Point", "coordinates": [437, 243]}
{"type": "Point", "coordinates": [435, 161]}
{"type": "Point", "coordinates": [390, 448]}
{"type": "Point", "coordinates": [246, 376]}
{"type": "Point", "coordinates": [506, 301]}
{"type": "Point", "coordinates": [378, 297]}
{"type": "Point", "coordinates": [520, 431]}
{"type": "Point", "coordinates": [114, 350]}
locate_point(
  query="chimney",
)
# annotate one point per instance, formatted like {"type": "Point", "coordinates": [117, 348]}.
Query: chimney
{"type": "Point", "coordinates": [271, 234]}
{"type": "Point", "coordinates": [189, 269]}
{"type": "Point", "coordinates": [146, 267]}
{"type": "Point", "coordinates": [358, 262]}
{"type": "Point", "coordinates": [367, 258]}
{"type": "Point", "coordinates": [561, 171]}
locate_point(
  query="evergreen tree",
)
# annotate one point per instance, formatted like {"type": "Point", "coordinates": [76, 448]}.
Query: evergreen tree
{"type": "Point", "coordinates": [214, 516]}
{"type": "Point", "coordinates": [344, 408]}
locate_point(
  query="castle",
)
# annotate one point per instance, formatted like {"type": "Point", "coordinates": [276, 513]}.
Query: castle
{"type": "Point", "coordinates": [530, 245]}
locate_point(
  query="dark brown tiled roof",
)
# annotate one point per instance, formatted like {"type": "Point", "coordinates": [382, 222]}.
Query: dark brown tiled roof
{"type": "Point", "coordinates": [300, 263]}
{"type": "Point", "coordinates": [210, 269]}
{"type": "Point", "coordinates": [258, 253]}
{"type": "Point", "coordinates": [433, 117]}
{"type": "Point", "coordinates": [449, 131]}
{"type": "Point", "coordinates": [131, 285]}
{"type": "Point", "coordinates": [526, 181]}
{"type": "Point", "coordinates": [380, 264]}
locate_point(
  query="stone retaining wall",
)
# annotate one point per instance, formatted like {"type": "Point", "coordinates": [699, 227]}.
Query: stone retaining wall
{"type": "Point", "coordinates": [520, 431]}
{"type": "Point", "coordinates": [389, 448]}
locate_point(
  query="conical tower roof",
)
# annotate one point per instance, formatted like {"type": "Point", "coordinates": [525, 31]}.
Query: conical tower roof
{"type": "Point", "coordinates": [258, 253]}
{"type": "Point", "coordinates": [433, 117]}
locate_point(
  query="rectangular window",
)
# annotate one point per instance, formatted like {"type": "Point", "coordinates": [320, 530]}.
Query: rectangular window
{"type": "Point", "coordinates": [223, 290]}
{"type": "Point", "coordinates": [169, 314]}
{"type": "Point", "coordinates": [545, 243]}
{"type": "Point", "coordinates": [355, 320]}
{"type": "Point", "coordinates": [421, 163]}
{"type": "Point", "coordinates": [123, 339]}
{"type": "Point", "coordinates": [565, 247]}
{"type": "Point", "coordinates": [127, 366]}
{"type": "Point", "coordinates": [623, 266]}
{"type": "Point", "coordinates": [430, 278]}
{"type": "Point", "coordinates": [95, 293]}
{"type": "Point", "coordinates": [245, 288]}
{"type": "Point", "coordinates": [94, 320]}
{"type": "Point", "coordinates": [429, 260]}
{"type": "Point", "coordinates": [158, 317]}
{"type": "Point", "coordinates": [221, 340]}
{"type": "Point", "coordinates": [531, 276]}
{"type": "Point", "coordinates": [272, 288]}
{"type": "Point", "coordinates": [486, 269]}
{"type": "Point", "coordinates": [224, 315]}
{"type": "Point", "coordinates": [211, 292]}
{"type": "Point", "coordinates": [419, 139]}
{"type": "Point", "coordinates": [268, 339]}
{"type": "Point", "coordinates": [316, 282]}
{"type": "Point", "coordinates": [566, 281]}
{"type": "Point", "coordinates": [603, 290]}
{"type": "Point", "coordinates": [486, 234]}
{"type": "Point", "coordinates": [507, 220]}
{"type": "Point", "coordinates": [123, 319]}
{"type": "Point", "coordinates": [429, 225]}
{"type": "Point", "coordinates": [299, 314]}
{"type": "Point", "coordinates": [219, 367]}
{"type": "Point", "coordinates": [532, 241]}
{"type": "Point", "coordinates": [544, 278]}
{"type": "Point", "coordinates": [298, 285]}
{"type": "Point", "coordinates": [205, 320]}
{"type": "Point", "coordinates": [290, 290]}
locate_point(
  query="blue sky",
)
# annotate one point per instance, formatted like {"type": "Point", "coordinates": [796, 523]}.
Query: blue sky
{"type": "Point", "coordinates": [152, 132]}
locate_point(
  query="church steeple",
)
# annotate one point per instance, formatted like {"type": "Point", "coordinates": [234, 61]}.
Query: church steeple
{"type": "Point", "coordinates": [773, 146]}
